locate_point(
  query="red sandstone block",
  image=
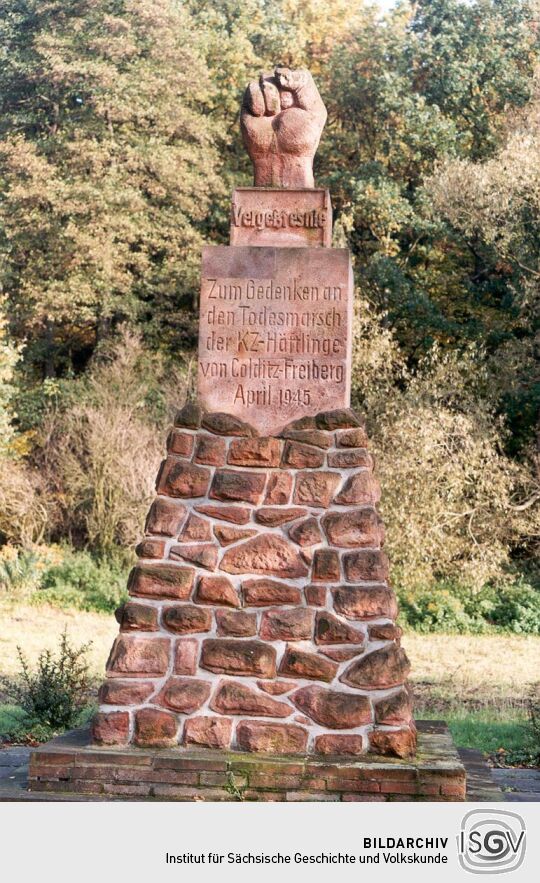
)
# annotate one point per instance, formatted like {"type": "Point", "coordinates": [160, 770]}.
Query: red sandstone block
{"type": "Point", "coordinates": [161, 581]}
{"type": "Point", "coordinates": [114, 692]}
{"type": "Point", "coordinates": [287, 625]}
{"type": "Point", "coordinates": [315, 437]}
{"type": "Point", "coordinates": [50, 772]}
{"type": "Point", "coordinates": [217, 590]}
{"type": "Point", "coordinates": [370, 565]}
{"type": "Point", "coordinates": [238, 657]}
{"type": "Point", "coordinates": [316, 488]}
{"type": "Point", "coordinates": [278, 489]}
{"type": "Point", "coordinates": [209, 732]}
{"type": "Point", "coordinates": [454, 789]}
{"type": "Point", "coordinates": [196, 530]}
{"type": "Point", "coordinates": [350, 459]}
{"type": "Point", "coordinates": [236, 623]}
{"type": "Point", "coordinates": [111, 729]}
{"type": "Point", "coordinates": [189, 415]}
{"type": "Point", "coordinates": [352, 438]}
{"type": "Point", "coordinates": [181, 479]}
{"type": "Point", "coordinates": [298, 455]}
{"type": "Point", "coordinates": [226, 424]}
{"type": "Point", "coordinates": [180, 443]}
{"type": "Point", "coordinates": [138, 657]}
{"type": "Point", "coordinates": [272, 516]}
{"type": "Point", "coordinates": [268, 554]}
{"type": "Point", "coordinates": [359, 488]}
{"type": "Point", "coordinates": [203, 554]}
{"type": "Point", "coordinates": [399, 743]}
{"type": "Point", "coordinates": [365, 602]}
{"type": "Point", "coordinates": [156, 729]}
{"type": "Point", "coordinates": [316, 596]}
{"type": "Point", "coordinates": [276, 688]}
{"type": "Point", "coordinates": [227, 535]}
{"type": "Point", "coordinates": [306, 533]}
{"type": "Point", "coordinates": [301, 664]}
{"type": "Point", "coordinates": [333, 708]}
{"type": "Point", "coordinates": [386, 667]}
{"type": "Point", "coordinates": [184, 619]}
{"type": "Point", "coordinates": [87, 787]}
{"type": "Point", "coordinates": [331, 630]}
{"type": "Point", "coordinates": [326, 566]}
{"type": "Point", "coordinates": [263, 592]}
{"type": "Point", "coordinates": [354, 528]}
{"type": "Point", "coordinates": [231, 485]}
{"type": "Point", "coordinates": [165, 517]}
{"type": "Point", "coordinates": [340, 418]}
{"type": "Point", "coordinates": [396, 787]}
{"type": "Point", "coordinates": [339, 744]}
{"type": "Point", "coordinates": [259, 452]}
{"type": "Point", "coordinates": [151, 548]}
{"type": "Point", "coordinates": [210, 450]}
{"type": "Point", "coordinates": [184, 695]}
{"type": "Point", "coordinates": [234, 514]}
{"type": "Point", "coordinates": [138, 617]}
{"type": "Point", "coordinates": [232, 697]}
{"type": "Point", "coordinates": [185, 656]}
{"type": "Point", "coordinates": [385, 632]}
{"type": "Point", "coordinates": [271, 738]}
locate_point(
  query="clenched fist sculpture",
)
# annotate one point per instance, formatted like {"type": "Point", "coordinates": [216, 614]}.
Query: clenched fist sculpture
{"type": "Point", "coordinates": [281, 120]}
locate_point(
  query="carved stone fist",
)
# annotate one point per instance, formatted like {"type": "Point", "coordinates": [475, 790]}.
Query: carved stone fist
{"type": "Point", "coordinates": [281, 120]}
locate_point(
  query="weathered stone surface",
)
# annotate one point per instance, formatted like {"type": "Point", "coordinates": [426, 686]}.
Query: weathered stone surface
{"type": "Point", "coordinates": [298, 455]}
{"type": "Point", "coordinates": [342, 654]}
{"type": "Point", "coordinates": [184, 695]}
{"type": "Point", "coordinates": [360, 488]}
{"type": "Point", "coordinates": [269, 554]}
{"type": "Point", "coordinates": [399, 743]}
{"type": "Point", "coordinates": [331, 630]}
{"type": "Point", "coordinates": [151, 548]}
{"type": "Point", "coordinates": [111, 729]}
{"type": "Point", "coordinates": [276, 688]}
{"type": "Point", "coordinates": [271, 738]}
{"type": "Point", "coordinates": [189, 416]}
{"type": "Point", "coordinates": [232, 697]}
{"type": "Point", "coordinates": [154, 728]}
{"type": "Point", "coordinates": [181, 479]}
{"type": "Point", "coordinates": [350, 458]}
{"type": "Point", "coordinates": [357, 527]}
{"type": "Point", "coordinates": [309, 437]}
{"type": "Point", "coordinates": [226, 424]}
{"type": "Point", "coordinates": [184, 619]}
{"type": "Point", "coordinates": [138, 617]}
{"type": "Point", "coordinates": [204, 554]}
{"type": "Point", "coordinates": [186, 652]}
{"type": "Point", "coordinates": [316, 596]}
{"type": "Point", "coordinates": [365, 602]}
{"type": "Point", "coordinates": [345, 744]}
{"type": "Point", "coordinates": [138, 657]}
{"type": "Point", "coordinates": [161, 581]}
{"type": "Point", "coordinates": [233, 514]}
{"type": "Point", "coordinates": [259, 452]}
{"type": "Point", "coordinates": [165, 517]}
{"type": "Point", "coordinates": [196, 530]}
{"type": "Point", "coordinates": [282, 624]}
{"type": "Point", "coordinates": [370, 565]}
{"type": "Point", "coordinates": [279, 488]}
{"type": "Point", "coordinates": [217, 590]}
{"type": "Point", "coordinates": [306, 533]}
{"type": "Point", "coordinates": [332, 708]}
{"type": "Point", "coordinates": [238, 657]}
{"type": "Point", "coordinates": [352, 438]}
{"type": "Point", "coordinates": [227, 535]}
{"type": "Point", "coordinates": [208, 732]}
{"type": "Point", "coordinates": [130, 692]}
{"type": "Point", "coordinates": [387, 667]}
{"type": "Point", "coordinates": [316, 488]}
{"type": "Point", "coordinates": [180, 443]}
{"type": "Point", "coordinates": [385, 632]}
{"type": "Point", "coordinates": [343, 418]}
{"type": "Point", "coordinates": [242, 486]}
{"type": "Point", "coordinates": [262, 592]}
{"type": "Point", "coordinates": [273, 517]}
{"type": "Point", "coordinates": [298, 663]}
{"type": "Point", "coordinates": [236, 623]}
{"type": "Point", "coordinates": [305, 217]}
{"type": "Point", "coordinates": [211, 450]}
{"type": "Point", "coordinates": [394, 710]}
{"type": "Point", "coordinates": [326, 566]}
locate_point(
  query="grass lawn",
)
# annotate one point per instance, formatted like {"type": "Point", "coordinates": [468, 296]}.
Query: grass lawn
{"type": "Point", "coordinates": [479, 684]}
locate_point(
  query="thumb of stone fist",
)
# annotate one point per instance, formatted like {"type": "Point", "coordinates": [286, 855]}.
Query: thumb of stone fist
{"type": "Point", "coordinates": [282, 119]}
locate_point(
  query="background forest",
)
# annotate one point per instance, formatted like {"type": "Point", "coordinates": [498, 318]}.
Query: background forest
{"type": "Point", "coordinates": [119, 148]}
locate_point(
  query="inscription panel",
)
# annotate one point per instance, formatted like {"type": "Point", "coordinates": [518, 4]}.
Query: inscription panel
{"type": "Point", "coordinates": [297, 218]}
{"type": "Point", "coordinates": [275, 332]}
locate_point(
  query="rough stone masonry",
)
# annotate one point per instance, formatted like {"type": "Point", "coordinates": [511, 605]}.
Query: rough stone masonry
{"type": "Point", "coordinates": [260, 615]}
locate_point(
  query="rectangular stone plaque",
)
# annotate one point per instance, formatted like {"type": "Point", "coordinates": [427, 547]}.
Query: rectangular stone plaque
{"type": "Point", "coordinates": [275, 332]}
{"type": "Point", "coordinates": [297, 218]}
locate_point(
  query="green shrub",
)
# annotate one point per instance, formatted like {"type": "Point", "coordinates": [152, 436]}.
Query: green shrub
{"type": "Point", "coordinates": [55, 693]}
{"type": "Point", "coordinates": [514, 608]}
{"type": "Point", "coordinates": [84, 582]}
{"type": "Point", "coordinates": [437, 610]}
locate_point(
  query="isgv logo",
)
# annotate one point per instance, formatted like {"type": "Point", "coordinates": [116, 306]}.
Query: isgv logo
{"type": "Point", "coordinates": [491, 841]}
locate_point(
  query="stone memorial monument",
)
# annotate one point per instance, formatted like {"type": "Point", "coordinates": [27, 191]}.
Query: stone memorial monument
{"type": "Point", "coordinates": [258, 653]}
